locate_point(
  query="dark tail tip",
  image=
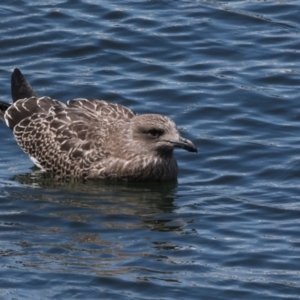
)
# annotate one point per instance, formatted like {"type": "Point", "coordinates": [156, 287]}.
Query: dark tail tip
{"type": "Point", "coordinates": [20, 88]}
{"type": "Point", "coordinates": [3, 107]}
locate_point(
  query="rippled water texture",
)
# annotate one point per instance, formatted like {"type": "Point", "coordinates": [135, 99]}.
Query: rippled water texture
{"type": "Point", "coordinates": [228, 74]}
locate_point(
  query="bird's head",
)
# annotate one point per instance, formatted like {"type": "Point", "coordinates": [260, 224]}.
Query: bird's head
{"type": "Point", "coordinates": [159, 134]}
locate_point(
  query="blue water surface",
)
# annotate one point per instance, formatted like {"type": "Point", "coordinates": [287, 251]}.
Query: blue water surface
{"type": "Point", "coordinates": [228, 74]}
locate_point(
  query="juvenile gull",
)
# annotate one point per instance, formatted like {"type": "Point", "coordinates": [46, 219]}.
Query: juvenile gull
{"type": "Point", "coordinates": [92, 138]}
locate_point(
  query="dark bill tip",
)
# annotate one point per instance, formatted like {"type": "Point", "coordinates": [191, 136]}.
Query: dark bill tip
{"type": "Point", "coordinates": [184, 144]}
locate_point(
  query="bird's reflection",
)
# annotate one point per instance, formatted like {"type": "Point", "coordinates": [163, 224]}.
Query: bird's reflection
{"type": "Point", "coordinates": [149, 202]}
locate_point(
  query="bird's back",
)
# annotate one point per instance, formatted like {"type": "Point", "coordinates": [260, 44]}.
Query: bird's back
{"type": "Point", "coordinates": [65, 138]}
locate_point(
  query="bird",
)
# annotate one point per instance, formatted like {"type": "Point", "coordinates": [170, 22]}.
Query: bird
{"type": "Point", "coordinates": [90, 138]}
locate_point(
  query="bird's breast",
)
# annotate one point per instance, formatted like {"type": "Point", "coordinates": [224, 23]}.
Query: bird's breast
{"type": "Point", "coordinates": [146, 168]}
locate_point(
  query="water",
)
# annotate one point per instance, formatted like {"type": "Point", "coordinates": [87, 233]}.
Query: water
{"type": "Point", "coordinates": [228, 74]}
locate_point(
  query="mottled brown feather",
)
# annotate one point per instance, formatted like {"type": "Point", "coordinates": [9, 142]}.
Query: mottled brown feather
{"type": "Point", "coordinates": [94, 139]}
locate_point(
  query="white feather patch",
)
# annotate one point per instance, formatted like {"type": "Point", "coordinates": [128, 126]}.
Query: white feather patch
{"type": "Point", "coordinates": [35, 161]}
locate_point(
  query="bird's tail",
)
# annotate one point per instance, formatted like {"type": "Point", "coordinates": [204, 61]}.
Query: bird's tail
{"type": "Point", "coordinates": [3, 107]}
{"type": "Point", "coordinates": [20, 88]}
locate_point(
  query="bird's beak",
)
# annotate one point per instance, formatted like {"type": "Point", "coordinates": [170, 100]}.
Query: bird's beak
{"type": "Point", "coordinates": [184, 144]}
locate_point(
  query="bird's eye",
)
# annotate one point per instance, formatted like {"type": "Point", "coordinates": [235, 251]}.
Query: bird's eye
{"type": "Point", "coordinates": [154, 133]}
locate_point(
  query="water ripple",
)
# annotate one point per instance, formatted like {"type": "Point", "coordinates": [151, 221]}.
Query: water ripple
{"type": "Point", "coordinates": [227, 73]}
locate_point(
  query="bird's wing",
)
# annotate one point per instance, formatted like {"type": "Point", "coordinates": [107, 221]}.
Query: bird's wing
{"type": "Point", "coordinates": [102, 108]}
{"type": "Point", "coordinates": [27, 107]}
{"type": "Point", "coordinates": [56, 135]}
